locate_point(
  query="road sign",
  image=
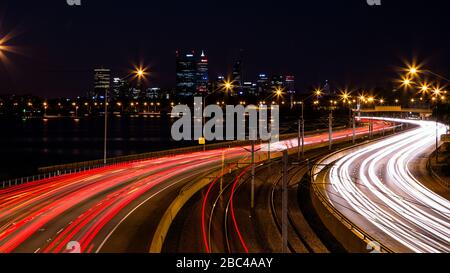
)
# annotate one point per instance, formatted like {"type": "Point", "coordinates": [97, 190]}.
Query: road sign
{"type": "Point", "coordinates": [445, 138]}
{"type": "Point", "coordinates": [202, 141]}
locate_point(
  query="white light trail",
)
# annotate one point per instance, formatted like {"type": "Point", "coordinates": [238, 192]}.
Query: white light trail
{"type": "Point", "coordinates": [384, 192]}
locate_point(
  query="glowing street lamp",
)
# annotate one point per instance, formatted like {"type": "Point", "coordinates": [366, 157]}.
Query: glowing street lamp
{"type": "Point", "coordinates": [413, 70]}
{"type": "Point", "coordinates": [228, 86]}
{"type": "Point", "coordinates": [140, 72]}
{"type": "Point", "coordinates": [424, 88]}
{"type": "Point", "coordinates": [406, 82]}
{"type": "Point", "coordinates": [437, 91]}
{"type": "Point", "coordinates": [318, 92]}
{"type": "Point", "coordinates": [345, 96]}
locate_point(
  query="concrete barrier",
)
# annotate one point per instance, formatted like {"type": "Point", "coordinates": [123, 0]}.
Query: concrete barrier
{"type": "Point", "coordinates": [353, 238]}
{"type": "Point", "coordinates": [193, 188]}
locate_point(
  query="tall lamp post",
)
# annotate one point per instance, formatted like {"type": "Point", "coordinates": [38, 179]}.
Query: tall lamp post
{"type": "Point", "coordinates": [138, 73]}
{"type": "Point", "coordinates": [437, 92]}
{"type": "Point", "coordinates": [301, 124]}
{"type": "Point", "coordinates": [225, 86]}
{"type": "Point", "coordinates": [345, 98]}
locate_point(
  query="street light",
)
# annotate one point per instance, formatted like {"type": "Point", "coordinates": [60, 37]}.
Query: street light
{"type": "Point", "coordinates": [425, 87]}
{"type": "Point", "coordinates": [318, 92]}
{"type": "Point", "coordinates": [227, 86]}
{"type": "Point", "coordinates": [413, 70]}
{"type": "Point", "coordinates": [406, 82]}
{"type": "Point", "coordinates": [301, 125]}
{"type": "Point", "coordinates": [437, 91]}
{"type": "Point", "coordinates": [140, 73]}
{"type": "Point", "coordinates": [279, 92]}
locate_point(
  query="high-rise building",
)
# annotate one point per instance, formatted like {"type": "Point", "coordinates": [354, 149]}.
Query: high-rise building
{"type": "Point", "coordinates": [218, 82]}
{"type": "Point", "coordinates": [136, 93]}
{"type": "Point", "coordinates": [276, 82]}
{"type": "Point", "coordinates": [249, 88]}
{"type": "Point", "coordinates": [119, 88]}
{"type": "Point", "coordinates": [102, 82]}
{"type": "Point", "coordinates": [237, 76]}
{"type": "Point", "coordinates": [289, 84]}
{"type": "Point", "coordinates": [327, 88]}
{"type": "Point", "coordinates": [153, 93]}
{"type": "Point", "coordinates": [262, 84]}
{"type": "Point", "coordinates": [202, 74]}
{"type": "Point", "coordinates": [186, 78]}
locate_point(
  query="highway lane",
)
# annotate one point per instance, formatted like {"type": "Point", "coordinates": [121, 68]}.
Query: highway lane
{"type": "Point", "coordinates": [375, 188]}
{"type": "Point", "coordinates": [210, 215]}
{"type": "Point", "coordinates": [88, 207]}
{"type": "Point", "coordinates": [53, 213]}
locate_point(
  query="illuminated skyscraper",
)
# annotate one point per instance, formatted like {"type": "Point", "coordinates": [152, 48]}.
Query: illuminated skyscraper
{"type": "Point", "coordinates": [186, 73]}
{"type": "Point", "coordinates": [289, 85]}
{"type": "Point", "coordinates": [237, 76]}
{"type": "Point", "coordinates": [277, 82]}
{"type": "Point", "coordinates": [202, 74]}
{"type": "Point", "coordinates": [262, 84]}
{"type": "Point", "coordinates": [192, 73]}
{"type": "Point", "coordinates": [119, 88]}
{"type": "Point", "coordinates": [102, 82]}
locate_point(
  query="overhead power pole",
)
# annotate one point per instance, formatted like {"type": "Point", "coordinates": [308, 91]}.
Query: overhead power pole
{"type": "Point", "coordinates": [284, 217]}
{"type": "Point", "coordinates": [330, 131]}
{"type": "Point", "coordinates": [252, 193]}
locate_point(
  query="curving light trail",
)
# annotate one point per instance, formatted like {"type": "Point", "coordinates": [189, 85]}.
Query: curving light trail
{"type": "Point", "coordinates": [375, 187]}
{"type": "Point", "coordinates": [46, 215]}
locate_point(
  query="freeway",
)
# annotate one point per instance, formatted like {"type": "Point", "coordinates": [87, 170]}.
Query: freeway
{"type": "Point", "coordinates": [376, 187]}
{"type": "Point", "coordinates": [110, 209]}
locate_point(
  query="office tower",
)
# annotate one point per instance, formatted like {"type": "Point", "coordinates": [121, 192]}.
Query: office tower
{"type": "Point", "coordinates": [102, 82]}
{"type": "Point", "coordinates": [186, 73]}
{"type": "Point", "coordinates": [153, 93]}
{"type": "Point", "coordinates": [119, 88]}
{"type": "Point", "coordinates": [237, 77]}
{"type": "Point", "coordinates": [327, 88]}
{"type": "Point", "coordinates": [262, 84]}
{"type": "Point", "coordinates": [276, 82]}
{"type": "Point", "coordinates": [289, 85]}
{"type": "Point", "coordinates": [249, 88]}
{"type": "Point", "coordinates": [202, 74]}
{"type": "Point", "coordinates": [136, 93]}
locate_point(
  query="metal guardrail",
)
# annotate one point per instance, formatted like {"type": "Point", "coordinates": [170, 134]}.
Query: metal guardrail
{"type": "Point", "coordinates": [71, 168]}
{"type": "Point", "coordinates": [335, 212]}
{"type": "Point", "coordinates": [435, 175]}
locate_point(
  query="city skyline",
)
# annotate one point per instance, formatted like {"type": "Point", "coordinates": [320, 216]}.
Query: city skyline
{"type": "Point", "coordinates": [256, 131]}
{"type": "Point", "coordinates": [335, 48]}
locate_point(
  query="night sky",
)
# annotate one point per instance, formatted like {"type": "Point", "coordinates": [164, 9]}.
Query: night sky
{"type": "Point", "coordinates": [347, 42]}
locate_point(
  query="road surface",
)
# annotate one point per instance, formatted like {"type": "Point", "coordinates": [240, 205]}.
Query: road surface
{"type": "Point", "coordinates": [377, 189]}
{"type": "Point", "coordinates": [110, 209]}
